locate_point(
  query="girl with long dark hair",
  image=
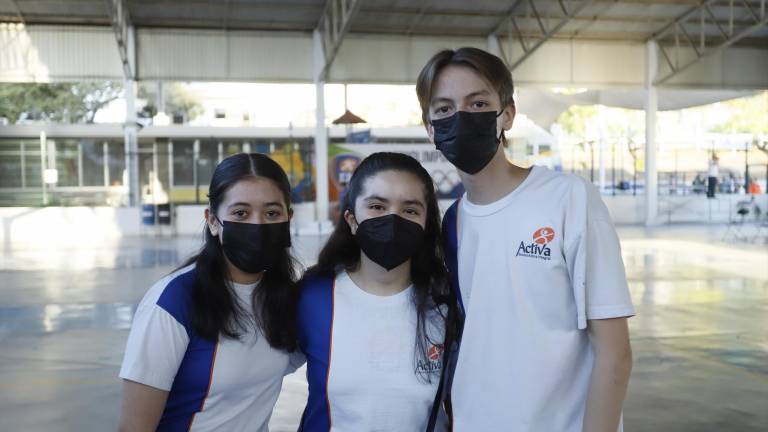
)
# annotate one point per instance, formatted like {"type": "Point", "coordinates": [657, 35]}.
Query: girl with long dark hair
{"type": "Point", "coordinates": [375, 311]}
{"type": "Point", "coordinates": [210, 343]}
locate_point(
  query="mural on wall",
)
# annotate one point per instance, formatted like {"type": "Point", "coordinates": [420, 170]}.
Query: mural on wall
{"type": "Point", "coordinates": [344, 158]}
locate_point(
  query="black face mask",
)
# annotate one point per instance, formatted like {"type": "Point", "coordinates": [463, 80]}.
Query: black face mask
{"type": "Point", "coordinates": [389, 240]}
{"type": "Point", "coordinates": [468, 140]}
{"type": "Point", "coordinates": [254, 247]}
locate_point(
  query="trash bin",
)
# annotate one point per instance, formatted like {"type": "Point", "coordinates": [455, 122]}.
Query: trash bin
{"type": "Point", "coordinates": [148, 214]}
{"type": "Point", "coordinates": [164, 214]}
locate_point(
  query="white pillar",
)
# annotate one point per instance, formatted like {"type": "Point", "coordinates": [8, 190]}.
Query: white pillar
{"type": "Point", "coordinates": [601, 145]}
{"type": "Point", "coordinates": [131, 126]}
{"type": "Point", "coordinates": [651, 106]}
{"type": "Point", "coordinates": [160, 97]}
{"type": "Point", "coordinates": [131, 135]}
{"type": "Point", "coordinates": [493, 45]}
{"type": "Point", "coordinates": [321, 134]}
{"type": "Point", "coordinates": [43, 166]}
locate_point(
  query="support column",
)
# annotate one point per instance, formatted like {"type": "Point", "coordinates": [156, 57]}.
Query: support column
{"type": "Point", "coordinates": [651, 106]}
{"type": "Point", "coordinates": [321, 134]}
{"type": "Point", "coordinates": [43, 167]}
{"type": "Point", "coordinates": [131, 126]}
{"type": "Point", "coordinates": [493, 45]}
{"type": "Point", "coordinates": [601, 146]}
{"type": "Point", "coordinates": [131, 135]}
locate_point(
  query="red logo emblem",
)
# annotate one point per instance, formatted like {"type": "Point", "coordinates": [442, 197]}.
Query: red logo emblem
{"type": "Point", "coordinates": [543, 236]}
{"type": "Point", "coordinates": [434, 352]}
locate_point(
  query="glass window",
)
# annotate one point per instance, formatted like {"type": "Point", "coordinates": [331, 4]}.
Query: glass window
{"type": "Point", "coordinates": [183, 153]}
{"type": "Point", "coordinates": [116, 160]}
{"type": "Point", "coordinates": [66, 162]}
{"type": "Point", "coordinates": [146, 174]}
{"type": "Point", "coordinates": [10, 164]}
{"type": "Point", "coordinates": [209, 158]}
{"type": "Point", "coordinates": [93, 162]}
{"type": "Point", "coordinates": [32, 173]}
{"type": "Point", "coordinates": [232, 148]}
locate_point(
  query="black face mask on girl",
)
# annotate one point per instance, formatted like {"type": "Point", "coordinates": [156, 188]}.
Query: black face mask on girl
{"type": "Point", "coordinates": [468, 139]}
{"type": "Point", "coordinates": [254, 247]}
{"type": "Point", "coordinates": [389, 240]}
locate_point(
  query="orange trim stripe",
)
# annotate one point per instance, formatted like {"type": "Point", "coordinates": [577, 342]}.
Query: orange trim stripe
{"type": "Point", "coordinates": [330, 350]}
{"type": "Point", "coordinates": [207, 391]}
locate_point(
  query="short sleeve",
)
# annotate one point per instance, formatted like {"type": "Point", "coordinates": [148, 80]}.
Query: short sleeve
{"type": "Point", "coordinates": [593, 255]}
{"type": "Point", "coordinates": [156, 346]}
{"type": "Point", "coordinates": [296, 360]}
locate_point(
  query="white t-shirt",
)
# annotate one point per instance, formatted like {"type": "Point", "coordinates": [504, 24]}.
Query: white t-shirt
{"type": "Point", "coordinates": [714, 169]}
{"type": "Point", "coordinates": [224, 385]}
{"type": "Point", "coordinates": [533, 267]}
{"type": "Point", "coordinates": [372, 382]}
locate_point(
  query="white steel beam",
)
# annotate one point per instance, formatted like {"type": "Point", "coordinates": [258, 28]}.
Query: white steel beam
{"type": "Point", "coordinates": [321, 135]}
{"type": "Point", "coordinates": [651, 108]}
{"type": "Point", "coordinates": [699, 45]}
{"type": "Point", "coordinates": [333, 26]}
{"type": "Point", "coordinates": [124, 35]}
{"type": "Point", "coordinates": [545, 32]}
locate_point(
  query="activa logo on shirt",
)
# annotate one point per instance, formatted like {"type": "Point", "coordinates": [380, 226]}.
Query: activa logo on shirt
{"type": "Point", "coordinates": [434, 362]}
{"type": "Point", "coordinates": [538, 248]}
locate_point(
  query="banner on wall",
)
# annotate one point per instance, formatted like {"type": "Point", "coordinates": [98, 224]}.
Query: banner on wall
{"type": "Point", "coordinates": [344, 158]}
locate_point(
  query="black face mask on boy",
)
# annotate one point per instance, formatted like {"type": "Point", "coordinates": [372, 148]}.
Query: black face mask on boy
{"type": "Point", "coordinates": [468, 139]}
{"type": "Point", "coordinates": [254, 247]}
{"type": "Point", "coordinates": [389, 240]}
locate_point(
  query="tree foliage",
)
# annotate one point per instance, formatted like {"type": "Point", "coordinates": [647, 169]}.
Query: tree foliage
{"type": "Point", "coordinates": [747, 115]}
{"type": "Point", "coordinates": [574, 119]}
{"type": "Point", "coordinates": [70, 102]}
{"type": "Point", "coordinates": [178, 101]}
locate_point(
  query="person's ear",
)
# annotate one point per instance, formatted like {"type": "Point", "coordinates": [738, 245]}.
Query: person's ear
{"type": "Point", "coordinates": [213, 224]}
{"type": "Point", "coordinates": [350, 219]}
{"type": "Point", "coordinates": [508, 117]}
{"type": "Point", "coordinates": [290, 214]}
{"type": "Point", "coordinates": [430, 131]}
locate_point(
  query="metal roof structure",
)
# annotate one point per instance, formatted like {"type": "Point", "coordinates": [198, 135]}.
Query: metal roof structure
{"type": "Point", "coordinates": [636, 20]}
{"type": "Point", "coordinates": [687, 30]}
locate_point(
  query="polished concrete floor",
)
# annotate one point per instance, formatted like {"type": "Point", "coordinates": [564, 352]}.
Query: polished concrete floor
{"type": "Point", "coordinates": [700, 338]}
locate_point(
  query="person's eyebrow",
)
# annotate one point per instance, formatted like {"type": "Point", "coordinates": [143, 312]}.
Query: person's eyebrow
{"type": "Point", "coordinates": [477, 93]}
{"type": "Point", "coordinates": [438, 100]}
{"type": "Point", "coordinates": [414, 202]}
{"type": "Point", "coordinates": [483, 92]}
{"type": "Point", "coordinates": [238, 204]}
{"type": "Point", "coordinates": [376, 198]}
{"type": "Point", "coordinates": [273, 204]}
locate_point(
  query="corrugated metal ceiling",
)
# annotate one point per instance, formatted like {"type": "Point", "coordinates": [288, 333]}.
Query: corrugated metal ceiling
{"type": "Point", "coordinates": [628, 20]}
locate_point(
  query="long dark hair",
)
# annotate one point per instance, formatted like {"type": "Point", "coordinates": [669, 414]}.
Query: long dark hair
{"type": "Point", "coordinates": [432, 290]}
{"type": "Point", "coordinates": [214, 310]}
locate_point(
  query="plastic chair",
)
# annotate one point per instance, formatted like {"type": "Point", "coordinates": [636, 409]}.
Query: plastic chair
{"type": "Point", "coordinates": [735, 229]}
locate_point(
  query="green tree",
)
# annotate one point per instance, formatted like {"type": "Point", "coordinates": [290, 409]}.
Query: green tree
{"type": "Point", "coordinates": [179, 100]}
{"type": "Point", "coordinates": [76, 102]}
{"type": "Point", "coordinates": [747, 115]}
{"type": "Point", "coordinates": [574, 119]}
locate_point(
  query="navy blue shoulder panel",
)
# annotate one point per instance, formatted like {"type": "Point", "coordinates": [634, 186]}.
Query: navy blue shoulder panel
{"type": "Point", "coordinates": [176, 298]}
{"type": "Point", "coordinates": [315, 331]}
{"type": "Point", "coordinates": [451, 245]}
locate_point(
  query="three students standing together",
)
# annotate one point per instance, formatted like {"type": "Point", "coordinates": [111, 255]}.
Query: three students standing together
{"type": "Point", "coordinates": [512, 316]}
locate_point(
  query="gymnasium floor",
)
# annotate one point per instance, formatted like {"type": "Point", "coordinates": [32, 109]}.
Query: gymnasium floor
{"type": "Point", "coordinates": [700, 338]}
